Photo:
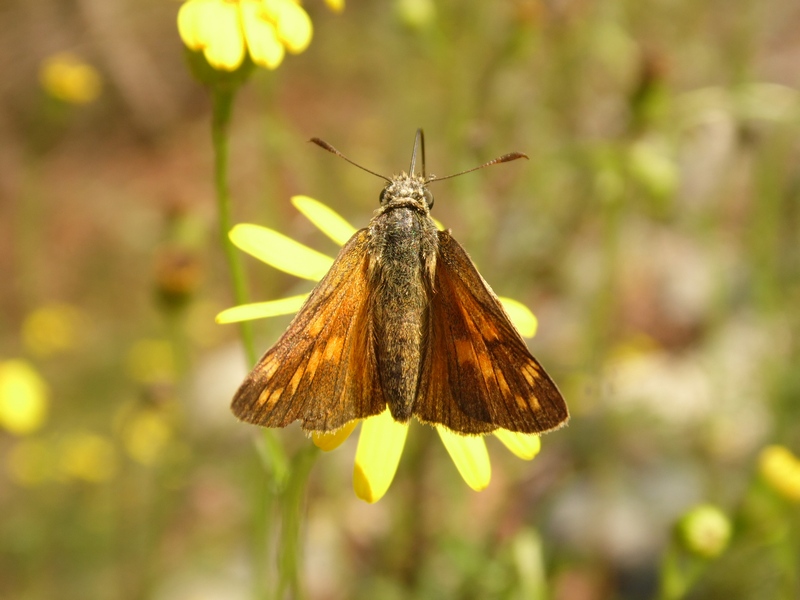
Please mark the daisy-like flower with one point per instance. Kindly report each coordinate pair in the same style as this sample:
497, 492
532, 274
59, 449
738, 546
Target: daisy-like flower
226, 29
381, 442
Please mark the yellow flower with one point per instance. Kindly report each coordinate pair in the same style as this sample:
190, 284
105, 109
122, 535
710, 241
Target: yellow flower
52, 328
23, 397
88, 456
146, 433
225, 29
68, 78
417, 14
152, 361
382, 438
780, 468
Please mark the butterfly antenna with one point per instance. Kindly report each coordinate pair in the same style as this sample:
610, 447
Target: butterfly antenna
498, 160
332, 150
419, 142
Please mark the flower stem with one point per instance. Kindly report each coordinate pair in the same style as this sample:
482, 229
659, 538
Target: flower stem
290, 557
222, 99
274, 458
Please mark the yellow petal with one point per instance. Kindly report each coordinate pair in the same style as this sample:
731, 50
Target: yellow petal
522, 318
327, 220
470, 456
379, 448
262, 39
523, 445
292, 22
261, 310
280, 252
332, 440
221, 31
335, 5
189, 24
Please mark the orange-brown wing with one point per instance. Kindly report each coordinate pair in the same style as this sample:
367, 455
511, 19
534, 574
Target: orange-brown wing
322, 370
478, 374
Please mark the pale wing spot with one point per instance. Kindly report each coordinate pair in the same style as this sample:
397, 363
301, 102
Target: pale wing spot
464, 351
532, 403
333, 352
503, 384
270, 401
262, 397
268, 368
315, 326
530, 374
489, 332
333, 348
313, 362
487, 368
295, 380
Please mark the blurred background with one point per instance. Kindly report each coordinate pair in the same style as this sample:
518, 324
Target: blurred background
654, 233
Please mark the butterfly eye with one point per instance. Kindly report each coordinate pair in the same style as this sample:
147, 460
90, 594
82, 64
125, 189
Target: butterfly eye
384, 196
428, 198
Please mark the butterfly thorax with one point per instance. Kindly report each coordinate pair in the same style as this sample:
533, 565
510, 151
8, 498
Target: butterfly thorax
403, 246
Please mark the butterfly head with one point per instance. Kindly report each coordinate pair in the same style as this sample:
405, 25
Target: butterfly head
405, 189
410, 189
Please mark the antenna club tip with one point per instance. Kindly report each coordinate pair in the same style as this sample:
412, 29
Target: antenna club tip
513, 156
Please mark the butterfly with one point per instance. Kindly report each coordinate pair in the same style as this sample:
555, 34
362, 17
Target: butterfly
403, 319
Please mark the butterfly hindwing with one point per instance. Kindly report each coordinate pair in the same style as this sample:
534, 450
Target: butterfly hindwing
478, 374
322, 371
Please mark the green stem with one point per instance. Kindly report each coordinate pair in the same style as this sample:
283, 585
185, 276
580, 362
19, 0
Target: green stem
275, 457
290, 551
222, 99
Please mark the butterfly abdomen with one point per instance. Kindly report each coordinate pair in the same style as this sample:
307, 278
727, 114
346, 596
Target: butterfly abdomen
403, 242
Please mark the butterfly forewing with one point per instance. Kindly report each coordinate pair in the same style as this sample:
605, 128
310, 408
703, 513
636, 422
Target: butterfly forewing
478, 374
322, 370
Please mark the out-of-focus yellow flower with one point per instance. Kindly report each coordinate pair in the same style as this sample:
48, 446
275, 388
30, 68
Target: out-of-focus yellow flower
23, 397
416, 14
780, 468
381, 442
705, 530
146, 435
89, 457
30, 462
68, 78
52, 329
152, 361
225, 29
335, 5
